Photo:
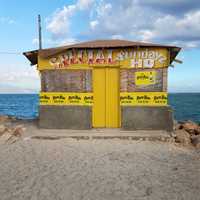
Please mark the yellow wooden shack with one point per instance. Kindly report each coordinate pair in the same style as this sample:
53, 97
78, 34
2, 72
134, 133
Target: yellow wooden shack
105, 84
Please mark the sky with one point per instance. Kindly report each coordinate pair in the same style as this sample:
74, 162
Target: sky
172, 22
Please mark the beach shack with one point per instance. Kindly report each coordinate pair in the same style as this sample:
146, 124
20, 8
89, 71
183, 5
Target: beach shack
105, 84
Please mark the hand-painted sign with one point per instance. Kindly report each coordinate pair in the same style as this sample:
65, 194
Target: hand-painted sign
145, 77
124, 58
59, 98
143, 98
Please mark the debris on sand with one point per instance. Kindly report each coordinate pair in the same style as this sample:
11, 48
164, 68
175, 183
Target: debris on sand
187, 133
16, 133
3, 129
8, 131
183, 137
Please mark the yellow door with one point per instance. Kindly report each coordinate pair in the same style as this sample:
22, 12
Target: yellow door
106, 108
99, 95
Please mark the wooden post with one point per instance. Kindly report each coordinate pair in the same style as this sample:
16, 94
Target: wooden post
40, 32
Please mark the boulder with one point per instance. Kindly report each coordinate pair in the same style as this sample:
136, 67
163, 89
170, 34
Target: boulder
197, 131
3, 129
18, 131
191, 127
3, 118
182, 137
177, 125
196, 141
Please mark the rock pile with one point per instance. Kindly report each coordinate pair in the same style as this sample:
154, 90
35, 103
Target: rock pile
187, 133
9, 131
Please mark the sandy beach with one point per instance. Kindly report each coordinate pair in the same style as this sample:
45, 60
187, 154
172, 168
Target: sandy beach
111, 169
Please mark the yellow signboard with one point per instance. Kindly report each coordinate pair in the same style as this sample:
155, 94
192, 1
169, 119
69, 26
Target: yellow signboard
86, 99
156, 57
143, 98
59, 98
145, 78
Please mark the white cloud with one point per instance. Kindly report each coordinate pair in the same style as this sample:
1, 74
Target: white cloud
19, 78
84, 4
184, 30
117, 37
143, 20
6, 20
35, 41
138, 20
59, 24
103, 8
93, 24
68, 41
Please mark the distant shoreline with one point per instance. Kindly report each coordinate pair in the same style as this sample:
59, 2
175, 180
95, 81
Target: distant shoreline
39, 92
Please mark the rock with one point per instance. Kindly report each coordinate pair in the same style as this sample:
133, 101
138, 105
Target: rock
182, 137
197, 131
3, 129
196, 141
191, 127
3, 118
15, 134
18, 130
177, 125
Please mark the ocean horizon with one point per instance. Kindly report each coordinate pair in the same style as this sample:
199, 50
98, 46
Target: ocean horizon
186, 106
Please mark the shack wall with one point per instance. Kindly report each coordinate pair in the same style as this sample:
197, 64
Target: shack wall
62, 79
145, 117
66, 116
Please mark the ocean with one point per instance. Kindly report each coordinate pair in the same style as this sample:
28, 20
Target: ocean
186, 106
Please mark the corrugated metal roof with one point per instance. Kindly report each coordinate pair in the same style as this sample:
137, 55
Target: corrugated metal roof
96, 44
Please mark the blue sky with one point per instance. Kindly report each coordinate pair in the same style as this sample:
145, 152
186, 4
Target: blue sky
174, 22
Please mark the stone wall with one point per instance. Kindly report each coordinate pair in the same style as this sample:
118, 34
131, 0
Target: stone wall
147, 118
65, 117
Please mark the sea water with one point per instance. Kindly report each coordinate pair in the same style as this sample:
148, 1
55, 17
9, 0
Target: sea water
186, 106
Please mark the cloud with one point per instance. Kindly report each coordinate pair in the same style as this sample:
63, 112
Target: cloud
93, 24
59, 23
84, 4
148, 21
175, 7
117, 37
184, 30
171, 22
68, 41
35, 41
6, 20
26, 80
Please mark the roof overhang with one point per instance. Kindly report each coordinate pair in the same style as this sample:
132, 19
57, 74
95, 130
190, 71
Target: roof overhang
32, 56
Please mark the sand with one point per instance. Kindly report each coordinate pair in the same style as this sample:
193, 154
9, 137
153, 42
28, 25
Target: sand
111, 169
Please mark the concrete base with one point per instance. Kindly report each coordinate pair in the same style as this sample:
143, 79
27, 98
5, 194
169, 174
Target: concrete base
96, 134
147, 118
65, 117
